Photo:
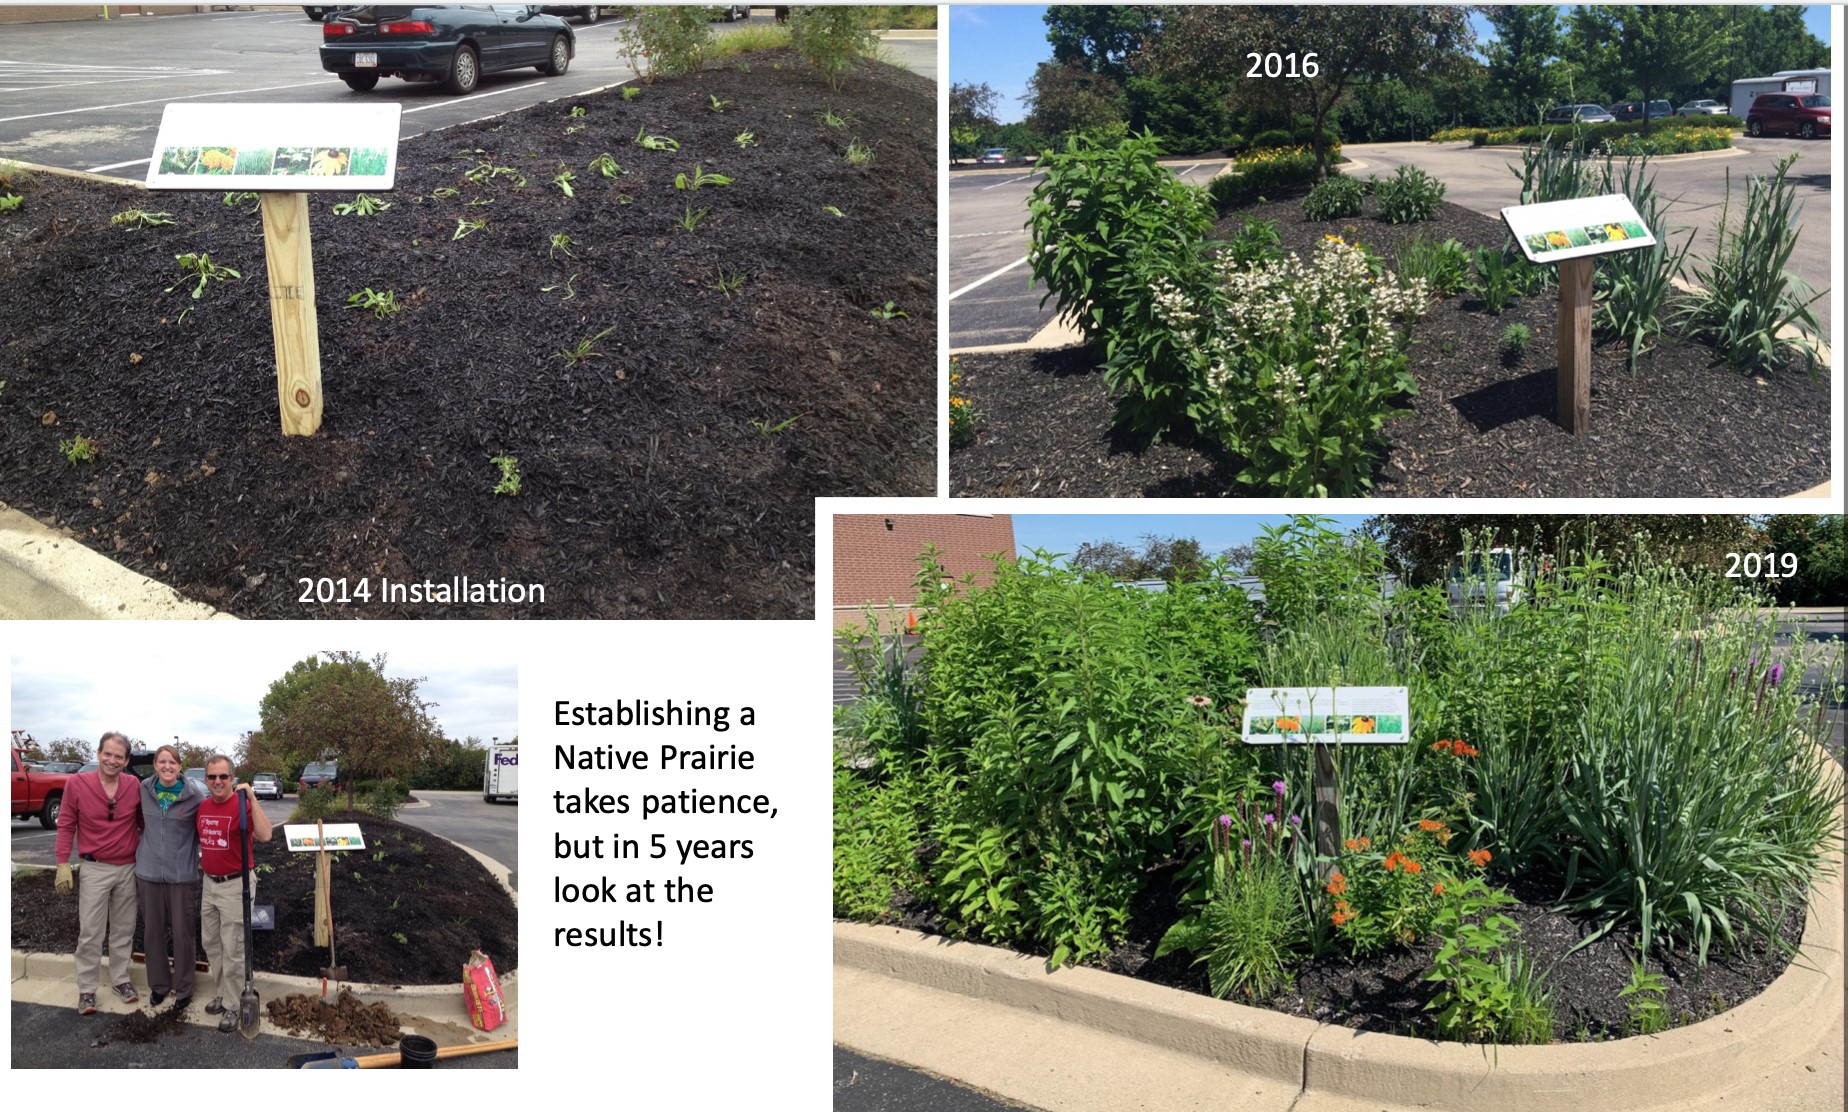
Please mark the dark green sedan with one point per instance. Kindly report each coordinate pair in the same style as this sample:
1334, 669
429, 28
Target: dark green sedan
453, 45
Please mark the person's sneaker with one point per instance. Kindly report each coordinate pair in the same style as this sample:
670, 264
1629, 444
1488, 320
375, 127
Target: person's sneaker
217, 1005
155, 998
86, 1003
127, 992
228, 1021
182, 1003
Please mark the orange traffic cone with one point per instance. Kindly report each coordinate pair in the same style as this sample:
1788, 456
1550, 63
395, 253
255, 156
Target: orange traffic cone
911, 622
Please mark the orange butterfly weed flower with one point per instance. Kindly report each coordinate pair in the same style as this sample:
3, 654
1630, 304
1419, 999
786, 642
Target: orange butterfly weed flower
1413, 866
1479, 857
1355, 845
1437, 889
1430, 825
1336, 885
1393, 861
1441, 746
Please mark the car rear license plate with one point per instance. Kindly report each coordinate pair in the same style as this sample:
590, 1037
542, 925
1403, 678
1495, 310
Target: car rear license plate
366, 60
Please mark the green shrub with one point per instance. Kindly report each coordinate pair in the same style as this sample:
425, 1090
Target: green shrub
875, 842
1249, 930
1443, 267
1497, 281
1262, 173
1747, 294
1275, 137
666, 41
1334, 199
1253, 241
386, 797
831, 38
314, 802
1409, 196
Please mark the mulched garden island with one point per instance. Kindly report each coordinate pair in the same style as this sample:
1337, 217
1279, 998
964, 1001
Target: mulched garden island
407, 909
667, 467
1684, 425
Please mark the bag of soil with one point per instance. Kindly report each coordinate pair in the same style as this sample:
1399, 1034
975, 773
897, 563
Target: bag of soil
481, 992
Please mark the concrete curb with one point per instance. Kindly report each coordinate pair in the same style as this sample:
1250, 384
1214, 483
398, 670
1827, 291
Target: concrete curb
1678, 1069
47, 574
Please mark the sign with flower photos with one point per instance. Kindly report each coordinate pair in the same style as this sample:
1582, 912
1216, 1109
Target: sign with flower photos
303, 838
1327, 715
1555, 231
289, 148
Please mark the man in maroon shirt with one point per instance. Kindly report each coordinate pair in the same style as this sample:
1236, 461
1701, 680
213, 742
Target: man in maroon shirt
102, 815
221, 903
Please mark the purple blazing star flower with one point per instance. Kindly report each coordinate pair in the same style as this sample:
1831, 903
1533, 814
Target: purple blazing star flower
1245, 842
1225, 821
1270, 819
1296, 820
1777, 673
1277, 787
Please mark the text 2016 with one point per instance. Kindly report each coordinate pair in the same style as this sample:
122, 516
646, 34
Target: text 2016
1282, 65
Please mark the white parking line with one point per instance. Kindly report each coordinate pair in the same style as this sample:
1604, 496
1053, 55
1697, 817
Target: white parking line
461, 100
158, 100
1010, 181
118, 165
988, 278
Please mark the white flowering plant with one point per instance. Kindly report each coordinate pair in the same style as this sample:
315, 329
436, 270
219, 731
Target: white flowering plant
1300, 364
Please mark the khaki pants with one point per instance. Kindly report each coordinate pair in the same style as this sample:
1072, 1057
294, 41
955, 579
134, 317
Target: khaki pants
221, 924
105, 911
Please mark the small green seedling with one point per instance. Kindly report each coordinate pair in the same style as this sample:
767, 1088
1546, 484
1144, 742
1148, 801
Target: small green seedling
579, 112
718, 105
362, 205
568, 285
832, 211
585, 349
624, 199
233, 200
655, 142
200, 270
768, 429
858, 153
605, 165
838, 123
727, 284
889, 311
690, 219
699, 178
78, 449
136, 219
562, 244
563, 180
488, 171
381, 303
468, 227
1515, 340
446, 192
10, 201
744, 139
509, 484
630, 92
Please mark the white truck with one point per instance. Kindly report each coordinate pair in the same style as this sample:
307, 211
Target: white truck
1497, 579
1746, 89
501, 778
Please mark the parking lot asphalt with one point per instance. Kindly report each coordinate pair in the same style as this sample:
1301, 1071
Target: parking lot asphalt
993, 304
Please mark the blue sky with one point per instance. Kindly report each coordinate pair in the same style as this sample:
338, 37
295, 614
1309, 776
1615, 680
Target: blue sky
1216, 532
1001, 44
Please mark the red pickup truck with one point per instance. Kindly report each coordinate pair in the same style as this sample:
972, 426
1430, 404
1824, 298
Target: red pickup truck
36, 793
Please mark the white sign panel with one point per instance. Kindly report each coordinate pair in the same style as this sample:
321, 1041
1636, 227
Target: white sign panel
1327, 715
290, 148
302, 838
1561, 230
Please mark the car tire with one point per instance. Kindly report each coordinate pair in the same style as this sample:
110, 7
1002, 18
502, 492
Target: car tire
560, 60
591, 15
48, 815
1807, 130
1755, 128
360, 82
464, 71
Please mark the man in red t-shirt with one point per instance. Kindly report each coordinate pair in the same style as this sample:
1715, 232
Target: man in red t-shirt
221, 902
101, 819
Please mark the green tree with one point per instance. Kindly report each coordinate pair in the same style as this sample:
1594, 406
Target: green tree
1170, 559
1648, 51
1822, 558
1525, 73
1071, 100
1763, 41
972, 118
1351, 43
1419, 547
347, 709
1100, 38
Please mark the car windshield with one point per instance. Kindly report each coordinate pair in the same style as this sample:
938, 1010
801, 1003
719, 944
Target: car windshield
1817, 101
318, 770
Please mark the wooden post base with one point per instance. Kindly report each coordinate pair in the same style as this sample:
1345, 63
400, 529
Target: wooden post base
290, 260
1326, 809
1573, 410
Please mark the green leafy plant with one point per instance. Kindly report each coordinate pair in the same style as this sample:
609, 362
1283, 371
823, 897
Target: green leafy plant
727, 284
1250, 927
768, 427
1334, 199
745, 139
964, 420
466, 228
1484, 994
445, 192
665, 41
78, 449
509, 484
563, 180
716, 104
830, 39
1634, 287
605, 165
200, 270
1645, 996
655, 142
488, 172
829, 119
858, 153
11, 201
1497, 281
578, 112
1750, 307
136, 219
233, 200
1514, 341
1409, 196
690, 219
889, 311
314, 802
1443, 267
380, 304
584, 349
630, 92
699, 179
361, 205
1260, 173
561, 245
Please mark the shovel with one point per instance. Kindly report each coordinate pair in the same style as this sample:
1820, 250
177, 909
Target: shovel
334, 972
334, 1060
249, 1008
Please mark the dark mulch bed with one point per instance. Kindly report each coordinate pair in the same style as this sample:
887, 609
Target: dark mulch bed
409, 917
655, 483
1387, 992
1681, 426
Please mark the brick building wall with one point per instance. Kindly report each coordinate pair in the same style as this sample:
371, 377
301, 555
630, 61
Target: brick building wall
875, 555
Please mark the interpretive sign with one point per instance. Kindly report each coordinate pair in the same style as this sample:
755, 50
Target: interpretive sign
302, 838
1570, 235
1326, 715
288, 148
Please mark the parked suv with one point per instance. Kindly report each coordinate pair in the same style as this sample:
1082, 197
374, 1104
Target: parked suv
266, 785
1801, 114
1630, 110
1580, 113
321, 772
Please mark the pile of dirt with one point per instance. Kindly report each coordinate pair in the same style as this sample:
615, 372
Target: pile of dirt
146, 1027
1481, 424
674, 400
343, 1021
407, 909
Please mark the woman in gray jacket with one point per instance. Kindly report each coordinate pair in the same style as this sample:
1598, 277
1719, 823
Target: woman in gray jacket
167, 876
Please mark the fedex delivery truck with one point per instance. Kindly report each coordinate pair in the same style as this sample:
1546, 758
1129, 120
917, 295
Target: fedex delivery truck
501, 780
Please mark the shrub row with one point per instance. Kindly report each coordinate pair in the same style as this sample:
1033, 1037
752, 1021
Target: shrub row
1594, 136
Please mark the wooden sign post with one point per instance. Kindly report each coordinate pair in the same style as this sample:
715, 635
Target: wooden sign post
282, 153
1325, 718
1571, 234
